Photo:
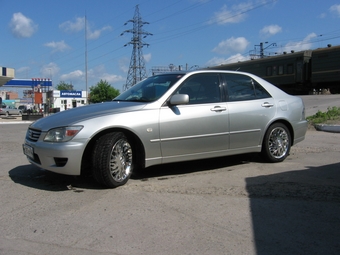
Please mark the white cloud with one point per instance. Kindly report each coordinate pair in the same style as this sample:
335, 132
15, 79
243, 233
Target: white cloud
322, 15
79, 25
147, 57
112, 78
96, 33
72, 76
77, 77
99, 73
220, 61
335, 9
124, 64
270, 30
235, 14
49, 71
231, 45
305, 44
72, 27
23, 72
57, 46
21, 26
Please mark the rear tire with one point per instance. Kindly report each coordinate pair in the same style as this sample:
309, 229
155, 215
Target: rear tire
276, 143
112, 160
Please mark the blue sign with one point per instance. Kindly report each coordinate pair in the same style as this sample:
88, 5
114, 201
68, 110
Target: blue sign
70, 93
28, 83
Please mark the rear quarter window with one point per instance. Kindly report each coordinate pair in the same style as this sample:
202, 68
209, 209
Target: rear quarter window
241, 87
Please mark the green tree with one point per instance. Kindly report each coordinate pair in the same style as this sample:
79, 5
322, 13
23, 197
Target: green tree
64, 86
102, 92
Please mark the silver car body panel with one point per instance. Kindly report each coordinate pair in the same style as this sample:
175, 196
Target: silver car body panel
172, 133
10, 111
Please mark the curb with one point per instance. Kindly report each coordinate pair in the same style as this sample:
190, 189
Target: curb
15, 122
328, 128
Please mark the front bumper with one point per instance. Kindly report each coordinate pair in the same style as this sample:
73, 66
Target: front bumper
63, 158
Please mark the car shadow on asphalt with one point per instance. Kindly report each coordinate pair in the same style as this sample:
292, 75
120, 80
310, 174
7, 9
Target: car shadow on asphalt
187, 167
34, 177
296, 212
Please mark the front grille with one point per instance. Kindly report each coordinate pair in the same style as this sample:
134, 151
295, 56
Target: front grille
33, 134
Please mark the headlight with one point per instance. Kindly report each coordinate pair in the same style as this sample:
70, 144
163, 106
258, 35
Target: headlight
62, 134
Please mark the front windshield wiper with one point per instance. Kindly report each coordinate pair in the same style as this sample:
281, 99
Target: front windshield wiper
134, 99
142, 100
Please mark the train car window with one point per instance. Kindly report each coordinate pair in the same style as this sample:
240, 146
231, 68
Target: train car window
269, 71
242, 87
274, 70
280, 69
290, 69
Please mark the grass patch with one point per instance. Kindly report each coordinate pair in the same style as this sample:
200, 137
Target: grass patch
332, 115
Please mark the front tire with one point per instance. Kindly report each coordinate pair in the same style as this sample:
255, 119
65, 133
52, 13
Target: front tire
112, 160
276, 143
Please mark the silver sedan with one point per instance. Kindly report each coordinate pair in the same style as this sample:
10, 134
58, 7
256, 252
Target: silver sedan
172, 117
9, 110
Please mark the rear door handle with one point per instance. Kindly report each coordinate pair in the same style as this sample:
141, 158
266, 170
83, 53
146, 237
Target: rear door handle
267, 105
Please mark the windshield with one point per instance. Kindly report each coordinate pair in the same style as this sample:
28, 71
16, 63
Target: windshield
150, 89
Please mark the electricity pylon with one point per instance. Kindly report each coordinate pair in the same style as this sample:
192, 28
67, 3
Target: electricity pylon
137, 71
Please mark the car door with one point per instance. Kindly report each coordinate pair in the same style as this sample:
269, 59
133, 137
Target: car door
251, 108
198, 129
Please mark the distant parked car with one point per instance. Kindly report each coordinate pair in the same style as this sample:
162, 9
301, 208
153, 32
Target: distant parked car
9, 110
166, 118
23, 108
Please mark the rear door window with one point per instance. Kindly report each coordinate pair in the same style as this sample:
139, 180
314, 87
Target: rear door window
241, 87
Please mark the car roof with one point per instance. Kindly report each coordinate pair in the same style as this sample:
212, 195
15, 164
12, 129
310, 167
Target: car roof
204, 71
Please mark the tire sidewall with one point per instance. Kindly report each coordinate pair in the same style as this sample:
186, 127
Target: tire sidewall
265, 145
101, 159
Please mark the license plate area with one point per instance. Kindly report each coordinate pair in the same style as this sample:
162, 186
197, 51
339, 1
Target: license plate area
28, 151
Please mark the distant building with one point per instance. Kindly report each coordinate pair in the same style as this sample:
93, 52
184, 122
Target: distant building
6, 74
66, 99
8, 95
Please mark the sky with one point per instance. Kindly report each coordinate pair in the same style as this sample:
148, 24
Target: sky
47, 38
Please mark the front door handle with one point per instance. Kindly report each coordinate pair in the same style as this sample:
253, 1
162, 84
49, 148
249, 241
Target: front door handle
218, 109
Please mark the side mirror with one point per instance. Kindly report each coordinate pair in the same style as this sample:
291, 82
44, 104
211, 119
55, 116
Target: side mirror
179, 99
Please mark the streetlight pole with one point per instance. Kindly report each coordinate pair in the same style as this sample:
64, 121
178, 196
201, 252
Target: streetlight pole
86, 58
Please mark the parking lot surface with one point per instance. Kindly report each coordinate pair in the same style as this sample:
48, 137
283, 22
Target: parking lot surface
229, 205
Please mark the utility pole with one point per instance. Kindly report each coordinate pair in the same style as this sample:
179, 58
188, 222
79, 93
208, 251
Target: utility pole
137, 71
262, 49
86, 102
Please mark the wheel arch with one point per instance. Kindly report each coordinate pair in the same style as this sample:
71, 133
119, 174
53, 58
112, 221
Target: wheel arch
136, 143
287, 124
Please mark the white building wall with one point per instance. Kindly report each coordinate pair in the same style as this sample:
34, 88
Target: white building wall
68, 100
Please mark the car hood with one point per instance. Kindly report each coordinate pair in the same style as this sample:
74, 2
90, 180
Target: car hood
82, 113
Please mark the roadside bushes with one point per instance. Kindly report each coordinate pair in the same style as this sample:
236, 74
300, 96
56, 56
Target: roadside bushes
332, 114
